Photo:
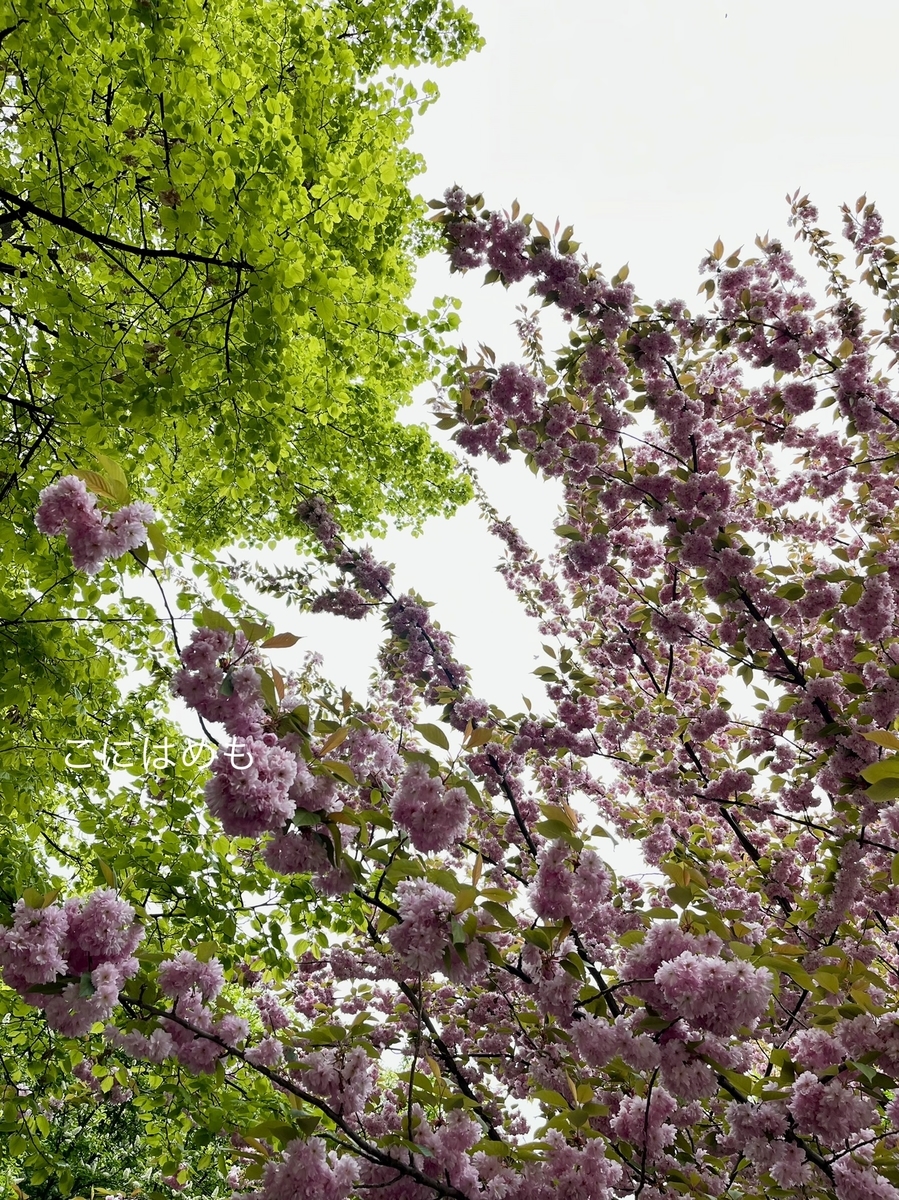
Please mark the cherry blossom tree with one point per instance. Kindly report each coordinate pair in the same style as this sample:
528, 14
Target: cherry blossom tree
484, 1008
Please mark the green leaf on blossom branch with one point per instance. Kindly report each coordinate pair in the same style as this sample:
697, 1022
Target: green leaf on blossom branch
886, 768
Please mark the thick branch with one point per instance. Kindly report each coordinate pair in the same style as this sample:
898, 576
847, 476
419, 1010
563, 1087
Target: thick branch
449, 1062
100, 239
371, 1152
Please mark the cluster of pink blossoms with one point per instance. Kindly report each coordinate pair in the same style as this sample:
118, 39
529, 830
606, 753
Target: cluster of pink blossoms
84, 948
249, 790
423, 933
757, 1132
315, 513
307, 1171
445, 1151
372, 755
273, 1015
252, 777
267, 1053
191, 984
558, 891
682, 976
599, 1041
645, 1122
219, 680
345, 1080
513, 395
304, 851
186, 973
859, 1181
432, 815
874, 614
830, 1111
92, 536
259, 781
714, 994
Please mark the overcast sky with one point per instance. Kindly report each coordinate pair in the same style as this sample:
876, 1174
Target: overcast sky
653, 128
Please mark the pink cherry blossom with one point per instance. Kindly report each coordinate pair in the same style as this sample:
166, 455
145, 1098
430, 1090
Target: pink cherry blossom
856, 1181
249, 791
219, 680
829, 1110
644, 1122
57, 944
267, 1053
68, 507
713, 994
185, 973
423, 933
433, 816
306, 1169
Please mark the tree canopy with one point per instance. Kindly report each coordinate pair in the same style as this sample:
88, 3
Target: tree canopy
207, 243
208, 239
352, 946
430, 980
207, 248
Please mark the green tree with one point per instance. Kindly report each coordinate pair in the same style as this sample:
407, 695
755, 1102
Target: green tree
207, 243
207, 246
207, 249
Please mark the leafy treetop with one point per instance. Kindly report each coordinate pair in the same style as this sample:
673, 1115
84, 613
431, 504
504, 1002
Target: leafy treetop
207, 248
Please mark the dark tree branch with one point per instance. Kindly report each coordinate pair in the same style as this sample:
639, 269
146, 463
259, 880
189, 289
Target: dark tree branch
99, 239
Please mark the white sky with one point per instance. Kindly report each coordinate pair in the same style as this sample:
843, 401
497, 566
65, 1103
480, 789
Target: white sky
653, 128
